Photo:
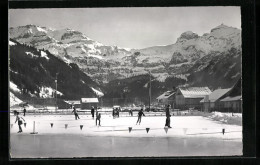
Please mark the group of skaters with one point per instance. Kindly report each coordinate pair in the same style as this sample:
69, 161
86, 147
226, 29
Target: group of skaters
98, 115
115, 113
168, 116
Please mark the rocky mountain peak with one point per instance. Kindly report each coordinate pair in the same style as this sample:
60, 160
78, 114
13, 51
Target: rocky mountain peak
187, 36
222, 26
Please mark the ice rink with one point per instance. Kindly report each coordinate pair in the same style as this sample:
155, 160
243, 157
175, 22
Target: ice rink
189, 136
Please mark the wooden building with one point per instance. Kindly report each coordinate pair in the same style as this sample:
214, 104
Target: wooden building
212, 101
86, 103
233, 101
190, 97
74, 103
166, 98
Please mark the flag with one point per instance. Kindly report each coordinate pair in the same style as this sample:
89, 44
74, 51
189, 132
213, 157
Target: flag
147, 130
130, 129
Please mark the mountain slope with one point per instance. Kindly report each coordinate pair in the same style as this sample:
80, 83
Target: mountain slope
34, 73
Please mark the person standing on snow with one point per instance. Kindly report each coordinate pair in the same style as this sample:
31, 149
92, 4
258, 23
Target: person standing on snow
168, 117
140, 114
75, 113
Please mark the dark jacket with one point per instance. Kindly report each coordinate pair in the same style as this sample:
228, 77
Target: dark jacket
168, 112
140, 113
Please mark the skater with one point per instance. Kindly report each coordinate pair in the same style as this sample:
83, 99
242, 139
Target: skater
113, 113
24, 111
92, 112
98, 118
140, 114
117, 111
75, 113
20, 122
131, 112
168, 117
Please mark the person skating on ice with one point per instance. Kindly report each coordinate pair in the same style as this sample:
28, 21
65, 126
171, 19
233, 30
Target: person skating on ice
24, 111
75, 113
140, 114
98, 118
92, 112
20, 122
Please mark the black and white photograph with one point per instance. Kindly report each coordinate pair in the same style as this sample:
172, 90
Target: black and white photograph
124, 82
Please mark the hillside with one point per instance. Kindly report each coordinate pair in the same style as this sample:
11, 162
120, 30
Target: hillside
33, 72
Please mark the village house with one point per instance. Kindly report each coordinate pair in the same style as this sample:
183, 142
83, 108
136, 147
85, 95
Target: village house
166, 98
86, 103
233, 101
212, 101
74, 103
190, 97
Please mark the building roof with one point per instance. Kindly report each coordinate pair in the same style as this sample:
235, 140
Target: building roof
72, 101
236, 98
215, 95
166, 95
89, 100
194, 92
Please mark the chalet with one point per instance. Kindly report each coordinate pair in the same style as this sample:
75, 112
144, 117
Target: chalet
86, 103
166, 98
74, 103
190, 97
212, 101
233, 101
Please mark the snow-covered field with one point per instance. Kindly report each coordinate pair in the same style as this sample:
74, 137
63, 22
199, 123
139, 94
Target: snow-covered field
190, 131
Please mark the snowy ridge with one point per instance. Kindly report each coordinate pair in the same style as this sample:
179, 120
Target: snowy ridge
96, 58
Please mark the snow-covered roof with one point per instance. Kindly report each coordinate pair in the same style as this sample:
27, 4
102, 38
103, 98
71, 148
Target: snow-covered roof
236, 98
194, 92
165, 95
73, 101
89, 100
215, 95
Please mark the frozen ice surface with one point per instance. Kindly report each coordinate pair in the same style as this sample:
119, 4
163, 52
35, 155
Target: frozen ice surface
182, 126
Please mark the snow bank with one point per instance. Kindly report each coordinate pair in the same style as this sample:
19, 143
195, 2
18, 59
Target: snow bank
227, 118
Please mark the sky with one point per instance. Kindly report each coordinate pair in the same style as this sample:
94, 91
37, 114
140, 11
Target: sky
130, 27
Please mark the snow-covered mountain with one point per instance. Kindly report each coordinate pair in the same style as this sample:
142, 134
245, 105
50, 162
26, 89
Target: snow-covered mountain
38, 73
190, 54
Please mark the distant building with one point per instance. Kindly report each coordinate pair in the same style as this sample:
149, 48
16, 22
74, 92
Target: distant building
167, 98
212, 101
86, 103
233, 101
75, 103
190, 97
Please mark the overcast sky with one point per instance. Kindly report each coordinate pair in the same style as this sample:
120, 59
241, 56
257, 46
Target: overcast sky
130, 27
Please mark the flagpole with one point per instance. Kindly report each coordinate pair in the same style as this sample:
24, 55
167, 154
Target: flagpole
150, 92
